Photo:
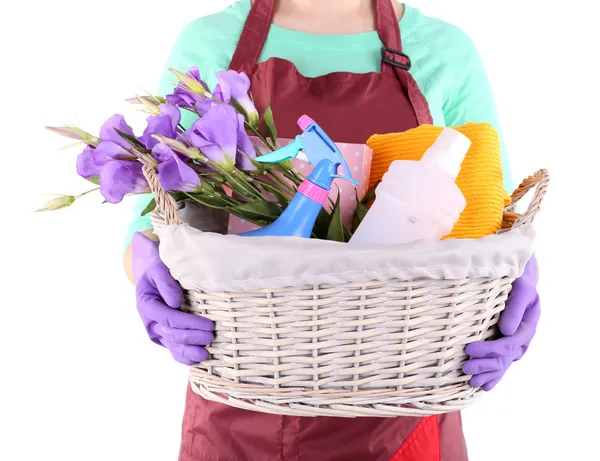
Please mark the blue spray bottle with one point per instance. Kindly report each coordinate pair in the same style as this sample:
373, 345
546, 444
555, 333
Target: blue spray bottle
314, 146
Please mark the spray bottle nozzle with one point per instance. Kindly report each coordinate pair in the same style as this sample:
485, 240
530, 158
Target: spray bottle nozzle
316, 146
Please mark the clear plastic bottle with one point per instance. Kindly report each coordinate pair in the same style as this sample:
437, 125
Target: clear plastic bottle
418, 200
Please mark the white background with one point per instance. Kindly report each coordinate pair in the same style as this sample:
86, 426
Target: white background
78, 378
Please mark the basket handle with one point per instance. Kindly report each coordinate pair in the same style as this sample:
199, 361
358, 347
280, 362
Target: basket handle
165, 212
540, 181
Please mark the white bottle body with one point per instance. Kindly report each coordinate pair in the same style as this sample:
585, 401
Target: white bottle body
418, 200
415, 201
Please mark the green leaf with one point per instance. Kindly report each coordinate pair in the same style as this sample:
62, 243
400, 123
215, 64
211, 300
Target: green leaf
239, 108
359, 215
336, 227
149, 208
370, 195
257, 211
178, 195
322, 224
132, 139
211, 201
347, 233
271, 124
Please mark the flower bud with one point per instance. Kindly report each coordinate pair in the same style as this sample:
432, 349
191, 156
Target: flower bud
62, 201
75, 133
151, 104
190, 83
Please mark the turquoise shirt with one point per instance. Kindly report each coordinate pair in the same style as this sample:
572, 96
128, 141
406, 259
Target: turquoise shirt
445, 64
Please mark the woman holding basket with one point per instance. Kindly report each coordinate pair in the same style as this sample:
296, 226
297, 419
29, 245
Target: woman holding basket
393, 69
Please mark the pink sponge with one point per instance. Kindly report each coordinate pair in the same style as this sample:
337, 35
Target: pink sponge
304, 122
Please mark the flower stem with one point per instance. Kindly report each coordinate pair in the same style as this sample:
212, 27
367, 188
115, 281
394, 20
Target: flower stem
230, 200
236, 177
259, 135
283, 184
224, 206
289, 175
87, 192
229, 210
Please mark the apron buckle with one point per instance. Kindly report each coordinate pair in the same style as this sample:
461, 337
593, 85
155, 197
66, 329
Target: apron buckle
406, 65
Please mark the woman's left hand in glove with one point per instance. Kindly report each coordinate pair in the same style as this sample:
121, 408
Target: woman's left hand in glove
518, 322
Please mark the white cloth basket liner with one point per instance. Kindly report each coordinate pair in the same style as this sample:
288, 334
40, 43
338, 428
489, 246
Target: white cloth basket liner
213, 262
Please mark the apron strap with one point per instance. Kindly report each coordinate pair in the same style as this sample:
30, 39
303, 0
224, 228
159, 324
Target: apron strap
387, 24
393, 60
257, 26
254, 35
256, 29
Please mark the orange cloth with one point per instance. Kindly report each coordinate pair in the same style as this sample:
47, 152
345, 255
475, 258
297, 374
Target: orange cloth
480, 178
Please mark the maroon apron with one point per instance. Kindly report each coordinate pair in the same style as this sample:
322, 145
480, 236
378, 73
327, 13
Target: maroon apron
350, 108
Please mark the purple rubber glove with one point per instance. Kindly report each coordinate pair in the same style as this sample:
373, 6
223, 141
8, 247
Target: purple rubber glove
518, 322
159, 297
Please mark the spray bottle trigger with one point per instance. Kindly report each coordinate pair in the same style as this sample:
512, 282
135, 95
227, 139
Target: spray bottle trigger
347, 178
347, 174
285, 153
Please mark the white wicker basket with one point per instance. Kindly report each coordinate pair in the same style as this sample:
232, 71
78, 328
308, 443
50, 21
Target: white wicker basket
381, 348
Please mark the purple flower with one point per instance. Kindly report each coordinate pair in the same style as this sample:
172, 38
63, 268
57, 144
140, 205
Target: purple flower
173, 172
234, 85
195, 74
183, 98
86, 167
203, 107
121, 177
161, 153
107, 151
164, 124
245, 148
108, 133
182, 95
216, 135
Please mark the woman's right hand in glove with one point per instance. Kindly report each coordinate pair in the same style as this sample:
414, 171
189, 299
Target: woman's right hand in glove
159, 298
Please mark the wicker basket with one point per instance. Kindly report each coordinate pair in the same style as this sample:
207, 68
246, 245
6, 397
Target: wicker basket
386, 349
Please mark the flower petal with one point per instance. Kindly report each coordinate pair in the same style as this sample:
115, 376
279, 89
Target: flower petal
183, 97
194, 72
234, 85
218, 93
203, 107
108, 133
173, 113
86, 167
246, 150
175, 174
121, 177
164, 124
161, 152
216, 134
107, 151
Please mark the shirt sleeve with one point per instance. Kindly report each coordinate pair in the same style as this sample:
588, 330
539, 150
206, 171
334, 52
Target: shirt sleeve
468, 97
